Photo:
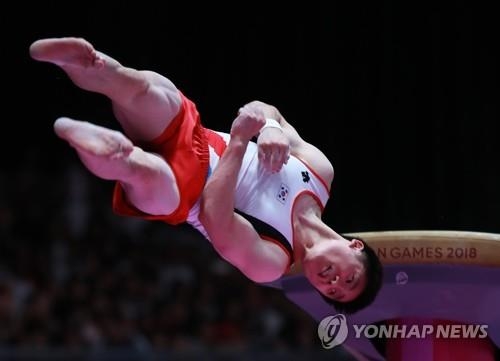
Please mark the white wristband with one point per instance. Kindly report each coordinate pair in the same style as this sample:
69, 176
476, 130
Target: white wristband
271, 123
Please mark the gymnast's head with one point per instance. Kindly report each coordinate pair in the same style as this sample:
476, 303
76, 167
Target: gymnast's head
346, 272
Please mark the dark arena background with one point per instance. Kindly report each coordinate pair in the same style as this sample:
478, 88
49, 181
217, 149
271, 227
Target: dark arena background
403, 98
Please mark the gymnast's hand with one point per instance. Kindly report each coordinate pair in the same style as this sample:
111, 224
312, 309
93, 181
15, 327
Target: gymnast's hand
247, 124
274, 148
273, 143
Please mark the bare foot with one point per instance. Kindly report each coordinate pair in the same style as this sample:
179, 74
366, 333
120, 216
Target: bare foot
93, 140
76, 52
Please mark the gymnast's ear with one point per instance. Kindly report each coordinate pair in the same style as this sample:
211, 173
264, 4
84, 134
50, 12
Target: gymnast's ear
356, 244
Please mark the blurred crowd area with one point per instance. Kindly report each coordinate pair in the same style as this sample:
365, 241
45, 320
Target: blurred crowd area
74, 275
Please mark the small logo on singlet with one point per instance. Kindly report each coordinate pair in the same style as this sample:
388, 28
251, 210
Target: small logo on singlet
305, 176
282, 193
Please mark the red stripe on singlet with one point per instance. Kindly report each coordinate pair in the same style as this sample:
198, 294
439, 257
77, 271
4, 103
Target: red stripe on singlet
216, 141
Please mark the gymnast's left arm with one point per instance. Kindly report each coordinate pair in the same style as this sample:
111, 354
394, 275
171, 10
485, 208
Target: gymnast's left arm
232, 236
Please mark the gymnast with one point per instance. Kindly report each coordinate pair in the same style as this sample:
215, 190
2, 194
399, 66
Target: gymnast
256, 193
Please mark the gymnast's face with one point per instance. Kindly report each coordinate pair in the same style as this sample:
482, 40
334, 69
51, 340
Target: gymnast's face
335, 268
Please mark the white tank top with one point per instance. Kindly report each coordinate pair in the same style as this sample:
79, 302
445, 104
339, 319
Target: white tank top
267, 199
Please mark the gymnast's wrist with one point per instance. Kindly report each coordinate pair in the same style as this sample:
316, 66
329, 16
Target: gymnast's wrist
271, 123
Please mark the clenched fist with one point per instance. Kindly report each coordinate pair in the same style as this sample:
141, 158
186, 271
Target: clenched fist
248, 123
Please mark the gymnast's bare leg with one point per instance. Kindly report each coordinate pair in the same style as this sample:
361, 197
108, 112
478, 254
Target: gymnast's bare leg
144, 103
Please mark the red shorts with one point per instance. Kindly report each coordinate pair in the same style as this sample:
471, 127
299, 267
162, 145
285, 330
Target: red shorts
184, 145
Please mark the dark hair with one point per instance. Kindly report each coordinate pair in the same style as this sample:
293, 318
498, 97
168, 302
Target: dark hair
374, 275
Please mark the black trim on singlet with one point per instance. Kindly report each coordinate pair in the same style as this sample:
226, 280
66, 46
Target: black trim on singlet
266, 230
